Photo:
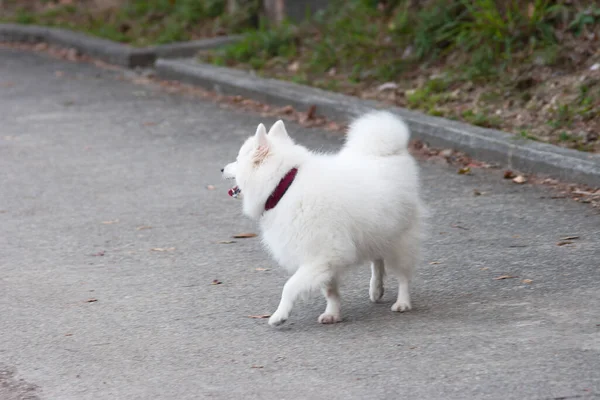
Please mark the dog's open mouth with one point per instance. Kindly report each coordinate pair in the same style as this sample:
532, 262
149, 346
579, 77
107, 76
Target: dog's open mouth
235, 192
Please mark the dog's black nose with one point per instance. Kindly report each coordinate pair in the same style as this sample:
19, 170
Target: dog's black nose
222, 169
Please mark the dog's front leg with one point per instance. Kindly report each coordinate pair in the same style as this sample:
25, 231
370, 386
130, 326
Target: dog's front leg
305, 280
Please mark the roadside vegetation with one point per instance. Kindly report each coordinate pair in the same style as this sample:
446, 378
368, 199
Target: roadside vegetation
527, 67
136, 22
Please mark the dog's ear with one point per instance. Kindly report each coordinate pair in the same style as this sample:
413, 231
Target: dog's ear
261, 136
278, 130
262, 144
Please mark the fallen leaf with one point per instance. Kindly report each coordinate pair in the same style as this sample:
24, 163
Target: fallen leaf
464, 171
508, 174
92, 300
518, 245
459, 227
244, 235
505, 277
149, 123
68, 334
477, 192
226, 241
210, 187
110, 222
262, 269
162, 249
484, 268
564, 242
434, 263
527, 281
519, 179
310, 114
570, 238
264, 316
98, 254
143, 228
584, 193
216, 282
257, 366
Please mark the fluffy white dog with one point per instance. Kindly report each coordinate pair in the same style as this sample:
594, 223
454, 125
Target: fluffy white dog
321, 214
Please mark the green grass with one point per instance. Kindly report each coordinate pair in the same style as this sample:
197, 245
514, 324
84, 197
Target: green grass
140, 22
358, 38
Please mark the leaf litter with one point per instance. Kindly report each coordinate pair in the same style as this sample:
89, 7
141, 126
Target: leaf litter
162, 249
244, 235
501, 277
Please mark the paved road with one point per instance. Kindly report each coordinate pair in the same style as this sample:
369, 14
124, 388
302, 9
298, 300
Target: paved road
89, 162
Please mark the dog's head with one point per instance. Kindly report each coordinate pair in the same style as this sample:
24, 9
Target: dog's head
260, 164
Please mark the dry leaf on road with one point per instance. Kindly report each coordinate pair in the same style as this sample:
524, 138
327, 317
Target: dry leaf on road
98, 254
459, 227
311, 113
162, 249
520, 179
527, 281
564, 242
264, 316
216, 282
244, 235
210, 187
434, 263
110, 222
262, 269
226, 241
569, 238
143, 228
508, 174
91, 300
505, 277
464, 171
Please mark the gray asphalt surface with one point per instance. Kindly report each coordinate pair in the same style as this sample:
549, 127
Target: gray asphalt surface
91, 164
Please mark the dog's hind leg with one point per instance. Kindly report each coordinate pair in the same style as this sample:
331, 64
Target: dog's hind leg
305, 280
401, 264
376, 284
332, 312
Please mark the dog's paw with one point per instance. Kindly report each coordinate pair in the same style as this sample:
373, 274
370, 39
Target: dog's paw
329, 318
401, 306
375, 293
277, 319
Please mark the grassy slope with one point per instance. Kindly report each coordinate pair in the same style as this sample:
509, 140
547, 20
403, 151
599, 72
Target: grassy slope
137, 22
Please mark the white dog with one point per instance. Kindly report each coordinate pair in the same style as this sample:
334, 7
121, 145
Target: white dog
323, 213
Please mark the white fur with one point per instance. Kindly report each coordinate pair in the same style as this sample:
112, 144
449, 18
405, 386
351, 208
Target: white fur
357, 206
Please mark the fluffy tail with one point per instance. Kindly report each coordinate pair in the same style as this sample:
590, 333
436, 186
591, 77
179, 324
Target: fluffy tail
378, 133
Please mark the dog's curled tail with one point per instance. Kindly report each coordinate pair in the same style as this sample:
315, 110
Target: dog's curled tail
378, 133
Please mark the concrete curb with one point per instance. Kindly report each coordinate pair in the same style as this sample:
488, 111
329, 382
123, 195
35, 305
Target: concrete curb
107, 50
483, 144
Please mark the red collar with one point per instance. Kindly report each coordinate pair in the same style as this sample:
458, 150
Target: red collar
280, 190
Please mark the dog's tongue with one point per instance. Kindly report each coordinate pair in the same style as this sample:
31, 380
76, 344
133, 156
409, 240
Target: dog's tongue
234, 192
